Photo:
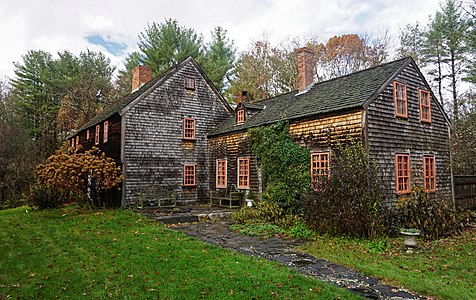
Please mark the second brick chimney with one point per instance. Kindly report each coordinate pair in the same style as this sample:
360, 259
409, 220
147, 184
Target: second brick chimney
305, 68
140, 76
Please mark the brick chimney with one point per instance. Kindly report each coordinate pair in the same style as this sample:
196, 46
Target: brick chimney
305, 68
140, 76
242, 97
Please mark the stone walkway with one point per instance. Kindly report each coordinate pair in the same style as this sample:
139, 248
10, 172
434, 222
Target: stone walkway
281, 250
277, 249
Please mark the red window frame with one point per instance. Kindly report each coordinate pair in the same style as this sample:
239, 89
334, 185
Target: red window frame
429, 174
96, 136
425, 105
72, 142
105, 131
87, 135
189, 174
320, 168
240, 116
221, 173
400, 98
189, 128
190, 83
402, 173
77, 141
243, 173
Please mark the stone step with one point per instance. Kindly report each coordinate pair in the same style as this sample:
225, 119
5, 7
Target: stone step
192, 218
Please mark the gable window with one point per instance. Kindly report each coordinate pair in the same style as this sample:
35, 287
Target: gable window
429, 177
96, 137
190, 83
244, 173
105, 129
320, 168
189, 175
188, 129
240, 116
221, 173
402, 171
425, 107
77, 141
400, 97
87, 135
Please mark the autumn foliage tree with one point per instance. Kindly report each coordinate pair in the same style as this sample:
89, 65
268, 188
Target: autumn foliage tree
80, 176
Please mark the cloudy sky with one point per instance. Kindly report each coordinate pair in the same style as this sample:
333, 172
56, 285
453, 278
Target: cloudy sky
112, 26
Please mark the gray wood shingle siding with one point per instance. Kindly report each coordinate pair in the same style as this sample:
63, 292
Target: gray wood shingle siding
388, 135
154, 148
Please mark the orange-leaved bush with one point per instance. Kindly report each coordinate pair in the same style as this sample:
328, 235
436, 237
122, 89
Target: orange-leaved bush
81, 176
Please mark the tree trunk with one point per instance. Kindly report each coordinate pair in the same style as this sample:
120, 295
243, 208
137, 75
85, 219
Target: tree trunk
453, 87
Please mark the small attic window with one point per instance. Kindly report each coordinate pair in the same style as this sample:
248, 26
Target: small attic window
190, 83
240, 116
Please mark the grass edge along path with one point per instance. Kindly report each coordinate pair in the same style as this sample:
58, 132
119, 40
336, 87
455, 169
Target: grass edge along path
444, 268
70, 253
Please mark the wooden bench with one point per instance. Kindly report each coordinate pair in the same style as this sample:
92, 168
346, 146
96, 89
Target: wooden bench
157, 199
228, 197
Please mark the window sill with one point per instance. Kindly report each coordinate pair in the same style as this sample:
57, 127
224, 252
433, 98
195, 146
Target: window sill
403, 193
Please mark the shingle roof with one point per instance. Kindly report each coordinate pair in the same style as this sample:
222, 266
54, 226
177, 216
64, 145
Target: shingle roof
118, 106
342, 93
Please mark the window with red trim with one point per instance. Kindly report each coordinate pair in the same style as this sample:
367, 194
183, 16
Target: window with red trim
402, 172
87, 135
320, 168
243, 172
240, 116
77, 141
189, 83
400, 97
429, 174
425, 106
189, 129
221, 173
72, 142
96, 137
105, 129
189, 175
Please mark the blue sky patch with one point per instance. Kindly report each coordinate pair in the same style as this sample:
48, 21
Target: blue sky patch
111, 47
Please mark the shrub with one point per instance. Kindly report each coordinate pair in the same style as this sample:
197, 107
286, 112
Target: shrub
43, 197
88, 178
265, 213
349, 202
436, 218
284, 165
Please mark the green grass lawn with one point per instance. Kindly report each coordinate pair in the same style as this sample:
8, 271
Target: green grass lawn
444, 269
69, 253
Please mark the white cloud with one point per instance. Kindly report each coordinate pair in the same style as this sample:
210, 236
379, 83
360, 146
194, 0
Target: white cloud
64, 25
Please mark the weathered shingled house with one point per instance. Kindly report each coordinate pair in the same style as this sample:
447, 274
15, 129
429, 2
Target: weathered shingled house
389, 107
177, 132
158, 133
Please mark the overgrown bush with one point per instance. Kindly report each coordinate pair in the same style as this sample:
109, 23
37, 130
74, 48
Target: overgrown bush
436, 218
265, 213
349, 202
43, 197
284, 165
87, 178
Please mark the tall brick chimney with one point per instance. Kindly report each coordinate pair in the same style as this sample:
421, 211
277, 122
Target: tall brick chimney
242, 97
305, 68
140, 76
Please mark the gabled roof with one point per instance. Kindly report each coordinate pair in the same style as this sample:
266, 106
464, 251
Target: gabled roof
343, 93
121, 106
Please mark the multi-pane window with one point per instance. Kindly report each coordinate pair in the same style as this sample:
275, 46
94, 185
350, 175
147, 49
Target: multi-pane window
72, 143
400, 97
425, 107
106, 129
402, 171
77, 141
189, 175
189, 129
319, 168
190, 83
243, 172
221, 173
429, 175
96, 136
240, 116
87, 135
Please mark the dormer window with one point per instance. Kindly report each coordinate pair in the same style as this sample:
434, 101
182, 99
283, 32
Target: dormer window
240, 116
190, 83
